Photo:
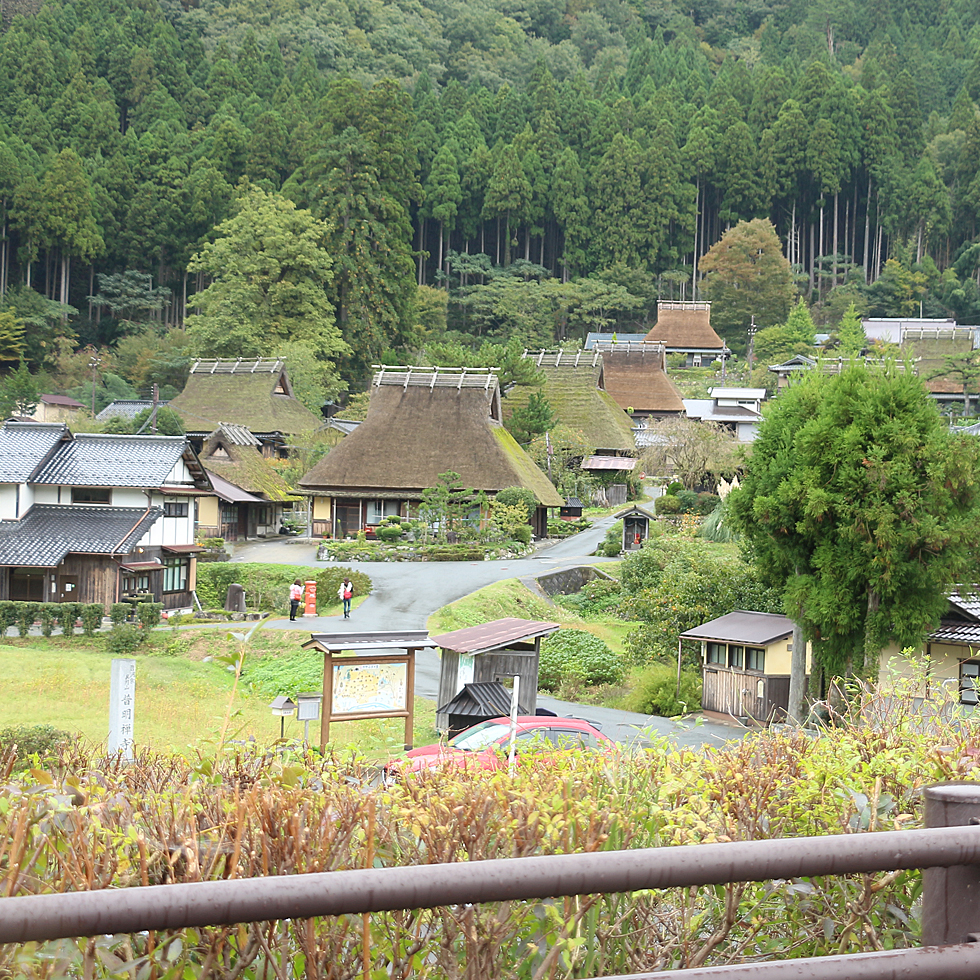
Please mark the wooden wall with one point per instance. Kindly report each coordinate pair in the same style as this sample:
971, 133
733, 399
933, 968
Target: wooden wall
762, 697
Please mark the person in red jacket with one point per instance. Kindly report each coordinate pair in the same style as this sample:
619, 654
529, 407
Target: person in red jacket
295, 598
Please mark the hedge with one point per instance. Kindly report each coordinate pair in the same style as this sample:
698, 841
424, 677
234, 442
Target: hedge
267, 586
24, 615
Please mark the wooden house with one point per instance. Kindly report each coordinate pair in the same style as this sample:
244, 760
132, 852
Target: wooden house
635, 375
57, 408
421, 422
746, 660
685, 328
496, 651
94, 517
254, 393
250, 498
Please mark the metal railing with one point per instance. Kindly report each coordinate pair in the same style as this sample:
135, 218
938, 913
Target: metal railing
949, 850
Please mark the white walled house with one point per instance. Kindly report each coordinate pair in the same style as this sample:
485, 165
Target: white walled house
96, 517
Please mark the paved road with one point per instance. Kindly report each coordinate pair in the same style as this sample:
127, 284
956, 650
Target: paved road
405, 594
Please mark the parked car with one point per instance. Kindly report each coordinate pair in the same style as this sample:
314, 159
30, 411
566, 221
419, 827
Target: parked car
487, 744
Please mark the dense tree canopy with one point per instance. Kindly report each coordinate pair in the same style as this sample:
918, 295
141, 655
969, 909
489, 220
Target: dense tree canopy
860, 499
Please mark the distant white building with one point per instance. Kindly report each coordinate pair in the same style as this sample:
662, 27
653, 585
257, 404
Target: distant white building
738, 409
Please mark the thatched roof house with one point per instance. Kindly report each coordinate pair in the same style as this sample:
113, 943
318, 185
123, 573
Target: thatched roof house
255, 394
685, 328
575, 389
421, 422
635, 375
250, 498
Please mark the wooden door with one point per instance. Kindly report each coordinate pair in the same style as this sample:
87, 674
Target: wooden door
67, 588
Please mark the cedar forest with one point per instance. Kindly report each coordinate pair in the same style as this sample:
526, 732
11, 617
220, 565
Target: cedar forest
353, 180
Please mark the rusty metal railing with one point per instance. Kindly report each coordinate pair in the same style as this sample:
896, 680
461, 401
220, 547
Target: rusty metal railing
949, 850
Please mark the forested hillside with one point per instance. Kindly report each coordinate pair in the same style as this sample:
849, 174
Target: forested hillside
556, 165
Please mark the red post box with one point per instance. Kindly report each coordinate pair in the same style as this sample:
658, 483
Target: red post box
310, 609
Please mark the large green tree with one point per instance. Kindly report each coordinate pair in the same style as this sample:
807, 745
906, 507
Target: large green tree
859, 501
269, 272
747, 275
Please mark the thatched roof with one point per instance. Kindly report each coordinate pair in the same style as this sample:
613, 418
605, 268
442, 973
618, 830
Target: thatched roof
255, 394
232, 452
635, 375
414, 431
685, 326
574, 389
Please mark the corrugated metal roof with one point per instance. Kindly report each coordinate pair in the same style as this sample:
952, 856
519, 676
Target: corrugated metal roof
741, 626
380, 640
493, 636
609, 463
483, 699
237, 435
127, 408
231, 494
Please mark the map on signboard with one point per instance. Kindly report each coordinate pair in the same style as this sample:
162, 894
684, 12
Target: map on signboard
368, 687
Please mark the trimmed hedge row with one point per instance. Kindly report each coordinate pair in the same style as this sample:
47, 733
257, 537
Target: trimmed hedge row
24, 615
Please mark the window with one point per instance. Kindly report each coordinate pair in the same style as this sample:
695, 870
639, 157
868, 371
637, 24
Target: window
175, 571
755, 659
90, 495
174, 509
736, 656
135, 582
969, 681
716, 653
378, 510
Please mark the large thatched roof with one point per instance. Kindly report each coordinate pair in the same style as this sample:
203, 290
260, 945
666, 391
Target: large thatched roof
685, 326
574, 388
255, 393
419, 426
636, 377
232, 452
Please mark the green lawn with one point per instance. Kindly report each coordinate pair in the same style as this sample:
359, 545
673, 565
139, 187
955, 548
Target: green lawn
182, 699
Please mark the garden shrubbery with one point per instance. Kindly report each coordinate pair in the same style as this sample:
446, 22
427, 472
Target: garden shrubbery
267, 586
578, 656
654, 692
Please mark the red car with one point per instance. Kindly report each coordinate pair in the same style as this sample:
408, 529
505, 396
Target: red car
486, 745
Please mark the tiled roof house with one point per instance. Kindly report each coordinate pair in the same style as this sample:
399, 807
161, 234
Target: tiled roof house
93, 517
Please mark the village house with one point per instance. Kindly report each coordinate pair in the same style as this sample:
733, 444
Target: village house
254, 393
635, 375
737, 409
745, 659
56, 408
250, 498
96, 518
421, 422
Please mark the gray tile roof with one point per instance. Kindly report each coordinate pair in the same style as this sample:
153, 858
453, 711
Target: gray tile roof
24, 446
126, 407
48, 532
237, 435
100, 460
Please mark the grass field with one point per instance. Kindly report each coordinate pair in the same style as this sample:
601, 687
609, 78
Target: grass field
184, 698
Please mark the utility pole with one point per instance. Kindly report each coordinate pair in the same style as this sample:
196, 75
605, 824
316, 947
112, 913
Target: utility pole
156, 404
94, 362
752, 330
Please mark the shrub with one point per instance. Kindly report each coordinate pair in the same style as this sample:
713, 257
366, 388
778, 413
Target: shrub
594, 597
121, 640
33, 739
668, 505
576, 654
67, 614
48, 614
672, 488
8, 616
706, 503
518, 495
148, 613
521, 534
26, 614
612, 543
389, 533
91, 617
119, 613
688, 499
655, 692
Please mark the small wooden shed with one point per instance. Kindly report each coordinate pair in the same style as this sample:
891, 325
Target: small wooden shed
636, 527
572, 510
476, 703
494, 651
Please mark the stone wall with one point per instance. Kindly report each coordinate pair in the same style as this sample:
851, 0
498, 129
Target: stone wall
569, 580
